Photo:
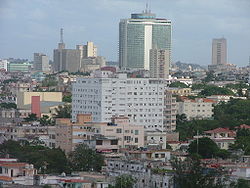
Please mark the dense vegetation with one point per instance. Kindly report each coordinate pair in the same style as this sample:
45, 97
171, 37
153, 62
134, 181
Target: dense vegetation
54, 160
8, 105
178, 84
231, 114
46, 160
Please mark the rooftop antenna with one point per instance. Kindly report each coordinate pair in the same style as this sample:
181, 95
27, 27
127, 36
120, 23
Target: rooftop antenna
61, 35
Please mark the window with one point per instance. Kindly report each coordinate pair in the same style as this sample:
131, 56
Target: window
136, 140
114, 142
99, 142
118, 130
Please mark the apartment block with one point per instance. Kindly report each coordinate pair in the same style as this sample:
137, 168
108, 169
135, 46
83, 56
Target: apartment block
106, 94
200, 108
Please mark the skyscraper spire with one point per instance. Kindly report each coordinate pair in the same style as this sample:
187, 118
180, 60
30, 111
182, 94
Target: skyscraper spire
61, 35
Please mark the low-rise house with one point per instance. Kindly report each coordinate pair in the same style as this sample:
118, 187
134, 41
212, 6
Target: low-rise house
154, 155
223, 137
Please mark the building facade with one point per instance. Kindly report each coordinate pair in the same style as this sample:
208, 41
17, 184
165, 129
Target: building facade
107, 95
159, 63
41, 62
139, 34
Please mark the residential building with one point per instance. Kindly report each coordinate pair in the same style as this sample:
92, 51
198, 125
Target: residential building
4, 64
159, 63
139, 34
106, 94
219, 51
129, 136
41, 62
199, 108
179, 91
170, 111
223, 137
88, 50
13, 172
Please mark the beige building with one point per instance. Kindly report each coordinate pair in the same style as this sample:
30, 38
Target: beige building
128, 135
170, 111
200, 108
24, 98
219, 51
179, 91
160, 60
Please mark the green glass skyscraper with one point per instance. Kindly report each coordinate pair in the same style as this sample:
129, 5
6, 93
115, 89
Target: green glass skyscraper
139, 34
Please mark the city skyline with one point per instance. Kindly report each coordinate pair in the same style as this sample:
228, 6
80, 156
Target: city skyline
38, 23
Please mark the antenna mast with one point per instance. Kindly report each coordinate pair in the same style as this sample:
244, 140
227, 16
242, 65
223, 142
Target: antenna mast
61, 35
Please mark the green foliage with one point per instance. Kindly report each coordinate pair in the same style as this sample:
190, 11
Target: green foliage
241, 183
240, 85
215, 90
46, 160
178, 84
191, 173
49, 81
124, 181
8, 105
81, 73
198, 86
242, 141
46, 121
231, 114
63, 111
31, 117
86, 159
67, 98
210, 77
206, 148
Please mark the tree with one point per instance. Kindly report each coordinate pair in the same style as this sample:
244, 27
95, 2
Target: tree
86, 159
63, 111
31, 117
215, 90
181, 118
67, 98
191, 173
241, 183
46, 121
124, 181
178, 84
206, 147
8, 105
46, 160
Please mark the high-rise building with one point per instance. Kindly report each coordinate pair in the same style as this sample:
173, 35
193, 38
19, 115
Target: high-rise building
106, 95
159, 63
66, 59
88, 50
139, 34
4, 64
219, 51
41, 62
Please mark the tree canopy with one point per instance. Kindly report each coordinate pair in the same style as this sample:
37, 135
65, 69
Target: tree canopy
178, 84
85, 159
8, 105
124, 181
63, 111
46, 160
215, 90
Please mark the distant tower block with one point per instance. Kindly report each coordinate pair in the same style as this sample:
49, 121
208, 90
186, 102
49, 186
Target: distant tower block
35, 106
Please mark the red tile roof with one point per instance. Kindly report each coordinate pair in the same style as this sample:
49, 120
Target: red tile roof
220, 130
5, 178
14, 164
243, 126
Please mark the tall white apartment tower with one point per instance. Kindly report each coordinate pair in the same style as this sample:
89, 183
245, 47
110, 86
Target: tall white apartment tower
138, 34
107, 95
219, 51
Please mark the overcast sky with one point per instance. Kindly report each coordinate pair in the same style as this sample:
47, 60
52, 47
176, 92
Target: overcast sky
28, 26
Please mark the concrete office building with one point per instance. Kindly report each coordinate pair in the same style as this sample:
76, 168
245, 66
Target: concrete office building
107, 94
159, 63
139, 34
41, 62
66, 59
219, 51
88, 50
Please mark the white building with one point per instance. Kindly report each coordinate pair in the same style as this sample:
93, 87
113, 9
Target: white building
4, 64
107, 95
200, 108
